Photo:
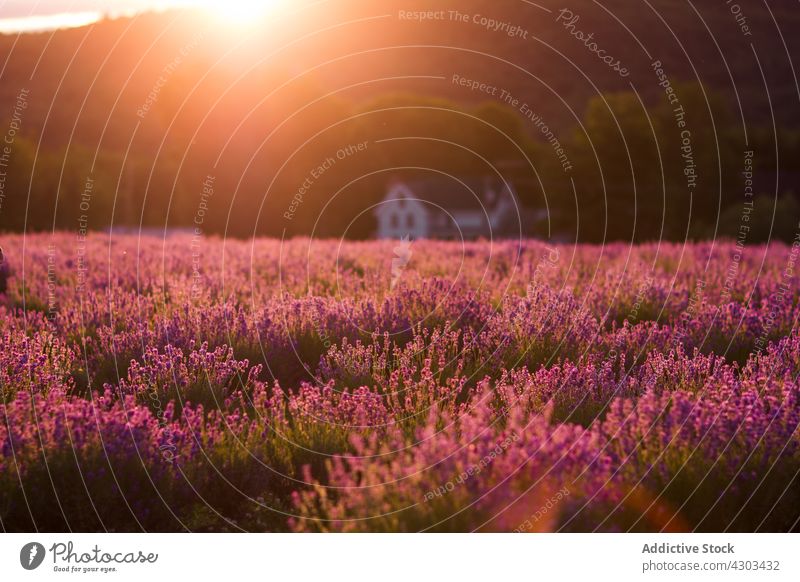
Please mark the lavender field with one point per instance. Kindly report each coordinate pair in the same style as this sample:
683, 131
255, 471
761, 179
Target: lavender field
222, 385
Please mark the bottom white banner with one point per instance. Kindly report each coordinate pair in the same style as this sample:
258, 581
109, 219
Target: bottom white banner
333, 557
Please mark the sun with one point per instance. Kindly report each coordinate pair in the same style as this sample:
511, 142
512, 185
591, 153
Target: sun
241, 13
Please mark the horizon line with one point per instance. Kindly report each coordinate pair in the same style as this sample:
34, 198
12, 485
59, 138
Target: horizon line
37, 23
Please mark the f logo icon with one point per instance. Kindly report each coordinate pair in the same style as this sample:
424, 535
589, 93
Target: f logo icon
31, 555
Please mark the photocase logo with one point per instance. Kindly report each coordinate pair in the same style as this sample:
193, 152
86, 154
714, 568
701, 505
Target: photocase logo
31, 555
402, 256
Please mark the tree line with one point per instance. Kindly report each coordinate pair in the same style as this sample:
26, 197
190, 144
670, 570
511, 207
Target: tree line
635, 171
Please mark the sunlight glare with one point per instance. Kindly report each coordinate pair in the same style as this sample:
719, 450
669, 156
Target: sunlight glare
241, 12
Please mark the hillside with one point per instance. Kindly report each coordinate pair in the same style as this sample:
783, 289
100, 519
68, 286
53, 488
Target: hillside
179, 96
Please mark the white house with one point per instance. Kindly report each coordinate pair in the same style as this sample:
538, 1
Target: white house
449, 208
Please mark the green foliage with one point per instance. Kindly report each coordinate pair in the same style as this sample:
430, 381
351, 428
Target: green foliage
769, 220
628, 161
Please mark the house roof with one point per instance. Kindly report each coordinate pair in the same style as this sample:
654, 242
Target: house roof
454, 195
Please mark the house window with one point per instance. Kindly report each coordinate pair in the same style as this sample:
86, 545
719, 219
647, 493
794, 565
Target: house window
394, 221
410, 221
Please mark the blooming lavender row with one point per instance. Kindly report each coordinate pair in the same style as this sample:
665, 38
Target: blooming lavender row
305, 386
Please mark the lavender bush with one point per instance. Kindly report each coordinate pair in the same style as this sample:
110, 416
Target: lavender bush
306, 386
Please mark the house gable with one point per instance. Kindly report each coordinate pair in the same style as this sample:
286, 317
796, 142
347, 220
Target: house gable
447, 208
402, 214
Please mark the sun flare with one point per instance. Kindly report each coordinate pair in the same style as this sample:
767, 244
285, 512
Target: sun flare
241, 12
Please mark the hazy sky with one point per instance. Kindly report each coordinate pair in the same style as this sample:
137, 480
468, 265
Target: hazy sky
19, 8
43, 14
